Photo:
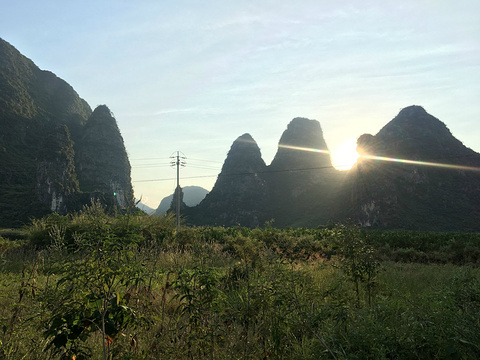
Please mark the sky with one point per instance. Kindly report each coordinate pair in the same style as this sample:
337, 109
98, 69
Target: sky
192, 76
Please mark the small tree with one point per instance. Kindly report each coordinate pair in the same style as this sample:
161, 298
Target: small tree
200, 300
357, 259
94, 292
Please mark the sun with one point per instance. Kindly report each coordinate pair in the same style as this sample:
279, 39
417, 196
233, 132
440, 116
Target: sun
345, 155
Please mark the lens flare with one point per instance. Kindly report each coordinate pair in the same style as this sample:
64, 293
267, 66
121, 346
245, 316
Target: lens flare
291, 147
380, 158
422, 163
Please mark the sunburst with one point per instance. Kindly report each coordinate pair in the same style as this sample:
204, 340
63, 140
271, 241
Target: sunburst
345, 155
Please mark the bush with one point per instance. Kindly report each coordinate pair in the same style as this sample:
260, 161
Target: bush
93, 222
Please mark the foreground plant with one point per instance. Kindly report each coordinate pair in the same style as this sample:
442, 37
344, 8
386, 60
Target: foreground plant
357, 259
97, 293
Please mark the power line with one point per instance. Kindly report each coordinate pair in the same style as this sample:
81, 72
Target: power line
268, 171
211, 161
241, 174
170, 179
152, 158
150, 166
198, 163
205, 167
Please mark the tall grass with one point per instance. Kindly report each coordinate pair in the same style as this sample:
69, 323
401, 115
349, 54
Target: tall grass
238, 293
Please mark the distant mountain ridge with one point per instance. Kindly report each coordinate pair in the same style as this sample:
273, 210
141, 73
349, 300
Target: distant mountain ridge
436, 188
55, 153
192, 195
145, 208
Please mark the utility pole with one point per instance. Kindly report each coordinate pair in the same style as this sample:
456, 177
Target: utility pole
178, 161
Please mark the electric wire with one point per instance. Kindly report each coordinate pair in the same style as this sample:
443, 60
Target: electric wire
199, 166
268, 171
212, 161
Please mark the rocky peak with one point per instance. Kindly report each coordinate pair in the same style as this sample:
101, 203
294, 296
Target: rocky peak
244, 156
102, 160
102, 117
302, 145
174, 203
412, 194
240, 190
414, 134
413, 122
241, 168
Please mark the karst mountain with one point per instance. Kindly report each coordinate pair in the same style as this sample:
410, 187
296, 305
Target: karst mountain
56, 155
413, 174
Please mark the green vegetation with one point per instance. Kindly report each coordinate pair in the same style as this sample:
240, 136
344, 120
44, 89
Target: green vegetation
93, 286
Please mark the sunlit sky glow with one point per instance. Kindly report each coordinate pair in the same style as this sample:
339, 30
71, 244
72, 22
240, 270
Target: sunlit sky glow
194, 75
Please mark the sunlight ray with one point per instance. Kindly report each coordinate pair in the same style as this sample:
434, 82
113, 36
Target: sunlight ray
422, 163
291, 147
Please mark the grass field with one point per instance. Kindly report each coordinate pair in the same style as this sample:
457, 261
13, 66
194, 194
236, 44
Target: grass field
94, 286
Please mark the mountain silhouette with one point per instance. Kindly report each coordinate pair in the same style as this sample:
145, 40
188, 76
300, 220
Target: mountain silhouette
425, 177
250, 193
413, 174
55, 153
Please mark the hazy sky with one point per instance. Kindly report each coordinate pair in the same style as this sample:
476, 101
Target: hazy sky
194, 75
